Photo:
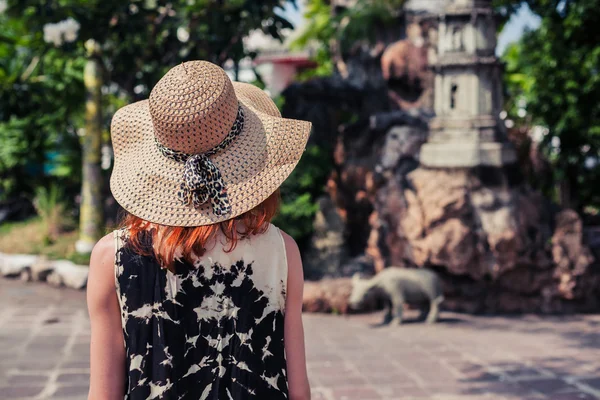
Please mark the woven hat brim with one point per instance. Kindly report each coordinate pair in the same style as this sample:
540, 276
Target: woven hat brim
145, 183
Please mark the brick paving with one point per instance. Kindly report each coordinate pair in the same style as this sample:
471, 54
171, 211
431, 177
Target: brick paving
44, 339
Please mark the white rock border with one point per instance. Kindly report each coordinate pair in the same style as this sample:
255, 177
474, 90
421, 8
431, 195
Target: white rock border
59, 273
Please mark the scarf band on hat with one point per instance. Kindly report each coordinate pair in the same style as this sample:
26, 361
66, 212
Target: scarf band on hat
202, 179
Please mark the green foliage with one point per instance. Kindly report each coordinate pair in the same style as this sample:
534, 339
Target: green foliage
41, 84
321, 28
40, 99
296, 215
51, 209
141, 40
336, 31
300, 192
555, 70
28, 237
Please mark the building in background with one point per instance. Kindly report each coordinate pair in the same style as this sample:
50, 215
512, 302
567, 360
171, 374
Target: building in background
276, 64
467, 131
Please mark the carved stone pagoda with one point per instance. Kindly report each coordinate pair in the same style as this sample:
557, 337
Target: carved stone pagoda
467, 131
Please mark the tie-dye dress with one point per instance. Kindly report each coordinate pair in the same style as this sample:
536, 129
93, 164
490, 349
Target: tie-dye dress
210, 331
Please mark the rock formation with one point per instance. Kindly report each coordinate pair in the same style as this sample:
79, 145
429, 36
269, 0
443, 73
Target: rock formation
497, 249
498, 245
60, 273
404, 67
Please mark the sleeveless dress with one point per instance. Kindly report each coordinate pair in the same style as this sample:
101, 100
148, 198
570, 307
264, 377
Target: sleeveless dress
212, 330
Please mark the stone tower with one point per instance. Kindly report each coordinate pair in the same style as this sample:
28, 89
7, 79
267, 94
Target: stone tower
466, 131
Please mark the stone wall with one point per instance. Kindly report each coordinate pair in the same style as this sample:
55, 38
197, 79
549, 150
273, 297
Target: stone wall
499, 246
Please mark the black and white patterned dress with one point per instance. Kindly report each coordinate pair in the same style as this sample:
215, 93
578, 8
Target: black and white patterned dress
210, 331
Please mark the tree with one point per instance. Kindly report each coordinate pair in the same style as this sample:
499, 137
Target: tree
91, 216
338, 29
41, 92
555, 70
139, 40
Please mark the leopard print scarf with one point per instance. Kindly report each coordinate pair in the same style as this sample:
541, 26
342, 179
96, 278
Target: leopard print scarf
202, 179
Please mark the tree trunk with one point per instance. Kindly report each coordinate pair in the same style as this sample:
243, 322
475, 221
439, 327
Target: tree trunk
569, 188
91, 209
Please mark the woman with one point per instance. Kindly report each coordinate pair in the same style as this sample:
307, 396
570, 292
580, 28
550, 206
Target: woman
187, 300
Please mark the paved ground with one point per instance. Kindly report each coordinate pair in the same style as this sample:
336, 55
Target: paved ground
44, 354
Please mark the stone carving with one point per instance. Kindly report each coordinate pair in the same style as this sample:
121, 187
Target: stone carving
399, 286
400, 142
455, 39
404, 63
405, 57
424, 6
432, 39
466, 132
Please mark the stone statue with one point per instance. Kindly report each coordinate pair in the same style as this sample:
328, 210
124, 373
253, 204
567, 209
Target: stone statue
397, 286
404, 65
401, 142
406, 57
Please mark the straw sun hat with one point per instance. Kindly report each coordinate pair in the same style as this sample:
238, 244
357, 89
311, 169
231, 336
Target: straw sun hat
201, 149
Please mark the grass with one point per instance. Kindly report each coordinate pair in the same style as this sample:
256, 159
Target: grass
29, 237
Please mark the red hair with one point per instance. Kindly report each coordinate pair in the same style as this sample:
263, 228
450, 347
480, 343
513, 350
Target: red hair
167, 240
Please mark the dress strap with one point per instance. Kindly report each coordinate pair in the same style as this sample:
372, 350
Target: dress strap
118, 238
284, 253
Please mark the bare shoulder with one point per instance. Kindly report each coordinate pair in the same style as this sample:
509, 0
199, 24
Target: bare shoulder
103, 250
101, 294
293, 254
102, 262
290, 244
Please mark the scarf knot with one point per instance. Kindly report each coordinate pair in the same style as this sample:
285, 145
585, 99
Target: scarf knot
202, 180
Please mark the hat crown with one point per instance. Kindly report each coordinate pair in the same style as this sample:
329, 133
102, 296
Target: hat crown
193, 107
